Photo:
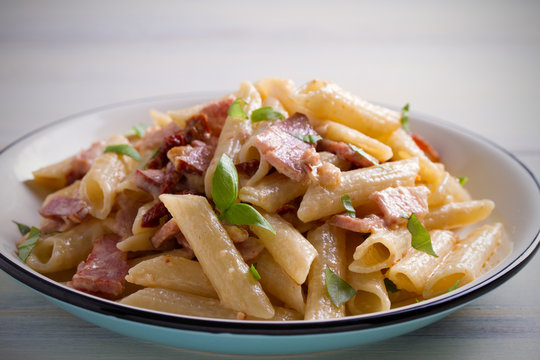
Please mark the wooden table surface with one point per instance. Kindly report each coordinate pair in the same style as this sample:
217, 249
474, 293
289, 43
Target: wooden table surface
474, 64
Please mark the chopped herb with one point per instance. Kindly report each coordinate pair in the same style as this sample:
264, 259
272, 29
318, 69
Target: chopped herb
137, 130
124, 149
453, 287
390, 286
225, 193
310, 139
338, 289
236, 109
417, 301
421, 240
254, 272
23, 229
463, 180
405, 118
266, 113
28, 245
368, 157
347, 204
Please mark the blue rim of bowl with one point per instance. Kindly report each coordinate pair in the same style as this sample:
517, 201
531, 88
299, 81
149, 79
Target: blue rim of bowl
351, 323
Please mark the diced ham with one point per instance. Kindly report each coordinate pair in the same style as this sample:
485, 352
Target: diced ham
369, 224
193, 158
166, 235
395, 202
426, 147
343, 151
153, 139
104, 270
149, 180
217, 114
289, 155
249, 167
68, 209
82, 162
249, 249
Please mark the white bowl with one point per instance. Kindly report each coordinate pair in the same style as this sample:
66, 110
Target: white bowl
493, 172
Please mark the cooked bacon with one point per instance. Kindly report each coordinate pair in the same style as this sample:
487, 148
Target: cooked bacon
290, 156
396, 202
249, 249
68, 209
369, 224
343, 151
128, 206
152, 216
217, 114
249, 167
104, 270
166, 235
82, 162
193, 158
426, 147
149, 180
153, 139
170, 179
51, 225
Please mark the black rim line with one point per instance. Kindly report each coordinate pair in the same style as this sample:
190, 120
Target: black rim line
267, 328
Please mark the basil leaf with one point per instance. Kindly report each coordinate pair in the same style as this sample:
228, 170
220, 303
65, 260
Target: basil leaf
254, 271
123, 149
236, 109
390, 286
421, 240
370, 158
453, 287
347, 204
405, 118
463, 180
137, 130
244, 214
310, 139
266, 113
338, 289
28, 245
225, 183
23, 229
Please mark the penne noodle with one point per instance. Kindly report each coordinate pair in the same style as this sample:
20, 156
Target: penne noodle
459, 214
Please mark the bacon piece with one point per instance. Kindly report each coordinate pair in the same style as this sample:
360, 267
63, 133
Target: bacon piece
426, 147
249, 167
153, 139
68, 209
249, 249
128, 206
290, 156
149, 180
193, 158
343, 151
369, 224
396, 202
152, 216
104, 270
166, 235
217, 114
170, 180
83, 161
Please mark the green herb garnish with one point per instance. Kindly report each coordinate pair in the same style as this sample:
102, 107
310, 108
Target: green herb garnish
390, 286
368, 157
23, 229
347, 204
421, 240
124, 149
463, 180
28, 245
137, 130
225, 193
266, 113
405, 118
338, 289
254, 272
453, 287
310, 139
236, 109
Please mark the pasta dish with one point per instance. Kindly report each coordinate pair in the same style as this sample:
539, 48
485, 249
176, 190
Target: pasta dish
275, 202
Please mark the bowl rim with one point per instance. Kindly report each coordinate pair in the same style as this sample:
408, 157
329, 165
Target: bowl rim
274, 328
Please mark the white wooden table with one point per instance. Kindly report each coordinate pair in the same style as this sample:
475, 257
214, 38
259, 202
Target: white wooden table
472, 64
